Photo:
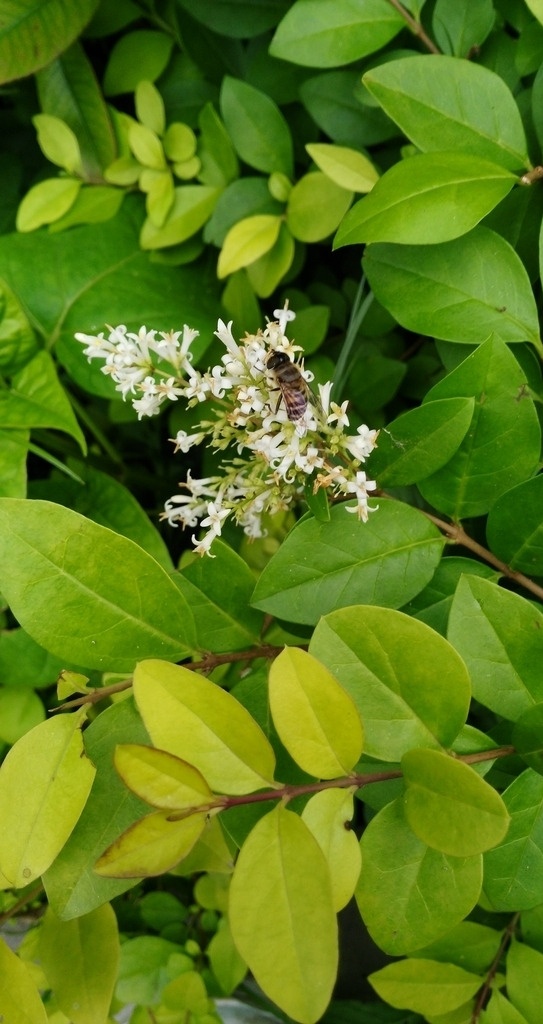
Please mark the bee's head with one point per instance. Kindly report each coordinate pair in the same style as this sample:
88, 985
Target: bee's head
276, 359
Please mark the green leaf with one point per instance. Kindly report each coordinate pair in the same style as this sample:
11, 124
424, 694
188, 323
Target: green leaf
246, 242
420, 441
20, 1001
433, 604
68, 89
513, 870
429, 198
462, 28
408, 894
37, 399
219, 592
136, 57
344, 110
227, 965
500, 637
425, 986
80, 959
436, 101
468, 944
234, 19
192, 207
146, 146
403, 699
20, 710
386, 562
75, 567
281, 910
94, 204
32, 35
17, 337
316, 205
58, 142
328, 33
201, 723
315, 718
256, 126
46, 202
525, 979
219, 161
13, 454
144, 968
150, 111
151, 846
346, 167
500, 1011
460, 291
527, 737
514, 529
489, 460
72, 885
44, 783
159, 778
449, 806
268, 271
328, 815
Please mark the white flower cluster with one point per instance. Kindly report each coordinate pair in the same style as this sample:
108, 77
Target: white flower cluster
271, 452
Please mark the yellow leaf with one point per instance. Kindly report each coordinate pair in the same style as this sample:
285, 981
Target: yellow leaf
247, 241
315, 717
161, 779
195, 719
346, 167
151, 846
328, 814
44, 784
20, 1002
80, 959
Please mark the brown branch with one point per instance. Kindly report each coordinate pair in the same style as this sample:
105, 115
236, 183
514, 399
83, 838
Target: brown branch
485, 989
534, 175
459, 536
415, 27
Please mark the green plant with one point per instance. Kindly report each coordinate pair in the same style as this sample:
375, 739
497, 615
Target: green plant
327, 706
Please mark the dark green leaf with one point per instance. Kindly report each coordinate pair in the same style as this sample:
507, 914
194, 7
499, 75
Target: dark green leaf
256, 127
420, 441
32, 35
514, 528
328, 33
513, 871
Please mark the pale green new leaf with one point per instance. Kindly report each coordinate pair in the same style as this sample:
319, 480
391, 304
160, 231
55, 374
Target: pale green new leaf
247, 241
410, 686
329, 33
146, 146
46, 202
97, 599
44, 783
150, 107
347, 167
192, 207
151, 846
316, 206
425, 986
447, 103
316, 719
161, 779
195, 719
408, 894
449, 806
461, 291
281, 912
80, 959
58, 142
328, 815
20, 1001
430, 198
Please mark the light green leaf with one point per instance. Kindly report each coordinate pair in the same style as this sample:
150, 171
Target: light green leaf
386, 561
44, 783
449, 806
246, 242
179, 142
405, 698
151, 846
460, 291
256, 126
161, 779
146, 146
513, 869
160, 195
20, 1001
14, 446
328, 815
315, 718
203, 724
429, 198
525, 980
94, 205
227, 965
46, 202
329, 33
489, 460
136, 57
514, 528
346, 167
32, 35
20, 710
80, 959
150, 108
266, 273
192, 207
408, 894
462, 29
37, 399
500, 1011
281, 910
210, 853
500, 637
420, 441
424, 986
18, 339
315, 207
468, 944
76, 567
58, 142
144, 968
436, 101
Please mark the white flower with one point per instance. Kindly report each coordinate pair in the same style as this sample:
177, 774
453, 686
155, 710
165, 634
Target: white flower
339, 413
363, 444
184, 442
215, 516
283, 317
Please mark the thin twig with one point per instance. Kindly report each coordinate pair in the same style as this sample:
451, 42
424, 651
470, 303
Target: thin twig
415, 27
485, 989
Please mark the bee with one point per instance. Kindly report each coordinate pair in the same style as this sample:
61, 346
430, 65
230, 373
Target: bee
294, 390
